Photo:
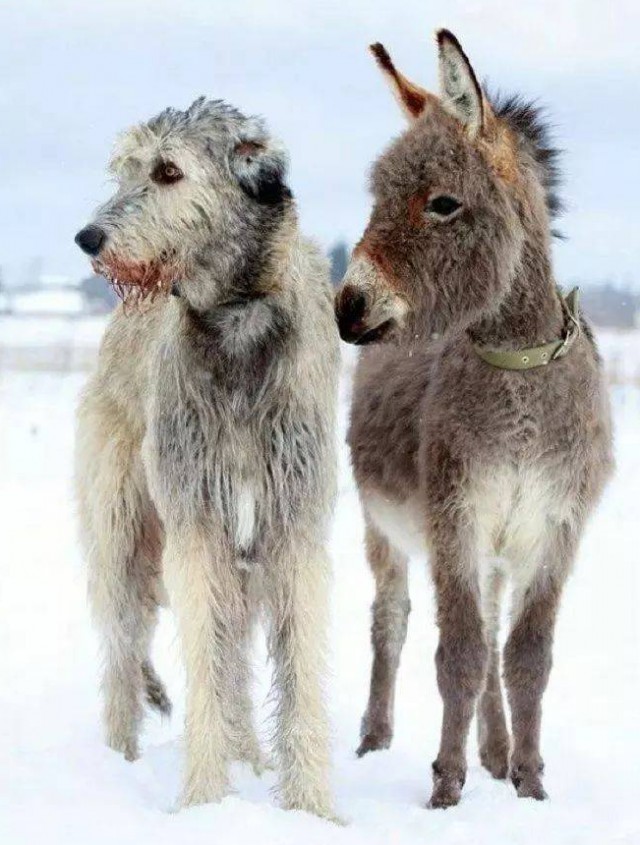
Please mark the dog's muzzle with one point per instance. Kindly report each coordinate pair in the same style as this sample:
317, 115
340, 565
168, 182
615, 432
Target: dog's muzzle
365, 310
91, 240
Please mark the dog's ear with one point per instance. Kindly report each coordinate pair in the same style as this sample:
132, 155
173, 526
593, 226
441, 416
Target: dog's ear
260, 166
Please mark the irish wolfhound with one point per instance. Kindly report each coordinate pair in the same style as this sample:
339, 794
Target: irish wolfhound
490, 445
205, 448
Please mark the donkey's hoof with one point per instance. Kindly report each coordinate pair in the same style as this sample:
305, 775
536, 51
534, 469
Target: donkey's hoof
445, 794
374, 741
531, 787
375, 735
528, 784
496, 760
447, 789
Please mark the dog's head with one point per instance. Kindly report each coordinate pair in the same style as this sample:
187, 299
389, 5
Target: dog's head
199, 194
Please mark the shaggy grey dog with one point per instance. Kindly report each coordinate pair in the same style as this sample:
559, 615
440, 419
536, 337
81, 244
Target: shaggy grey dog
482, 435
205, 454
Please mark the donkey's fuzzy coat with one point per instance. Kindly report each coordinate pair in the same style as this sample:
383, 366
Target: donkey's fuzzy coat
205, 448
494, 472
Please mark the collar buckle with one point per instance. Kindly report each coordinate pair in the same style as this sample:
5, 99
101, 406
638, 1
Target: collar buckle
569, 306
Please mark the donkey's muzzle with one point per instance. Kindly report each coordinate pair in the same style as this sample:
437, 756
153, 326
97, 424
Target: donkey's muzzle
352, 313
351, 307
91, 239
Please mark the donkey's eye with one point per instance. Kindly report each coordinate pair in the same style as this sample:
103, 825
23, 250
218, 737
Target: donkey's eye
166, 172
443, 205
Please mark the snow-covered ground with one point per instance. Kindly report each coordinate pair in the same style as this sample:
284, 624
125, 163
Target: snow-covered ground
59, 784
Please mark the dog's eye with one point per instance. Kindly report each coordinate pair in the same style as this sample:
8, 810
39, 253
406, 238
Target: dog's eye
166, 172
443, 205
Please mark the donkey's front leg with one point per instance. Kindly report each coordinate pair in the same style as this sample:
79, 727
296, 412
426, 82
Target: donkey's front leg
390, 613
299, 596
206, 595
528, 659
461, 660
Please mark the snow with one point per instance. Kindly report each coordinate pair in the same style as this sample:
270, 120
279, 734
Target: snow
48, 302
60, 784
35, 331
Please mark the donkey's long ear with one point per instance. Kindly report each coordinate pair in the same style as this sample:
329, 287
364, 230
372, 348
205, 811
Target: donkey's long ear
459, 89
412, 98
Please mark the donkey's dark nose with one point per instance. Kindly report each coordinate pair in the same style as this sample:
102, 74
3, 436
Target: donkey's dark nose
91, 239
351, 306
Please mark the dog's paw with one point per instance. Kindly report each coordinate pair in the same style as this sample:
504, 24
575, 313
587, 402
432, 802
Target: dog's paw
125, 745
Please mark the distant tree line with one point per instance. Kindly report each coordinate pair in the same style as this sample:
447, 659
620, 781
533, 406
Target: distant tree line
99, 296
611, 306
607, 304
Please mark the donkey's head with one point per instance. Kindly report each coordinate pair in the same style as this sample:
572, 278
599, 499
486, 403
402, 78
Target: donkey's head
199, 196
456, 198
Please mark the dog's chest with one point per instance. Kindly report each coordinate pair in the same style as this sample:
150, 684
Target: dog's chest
249, 475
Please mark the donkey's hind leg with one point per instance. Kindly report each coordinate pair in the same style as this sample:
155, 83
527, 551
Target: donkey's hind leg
528, 658
493, 736
390, 613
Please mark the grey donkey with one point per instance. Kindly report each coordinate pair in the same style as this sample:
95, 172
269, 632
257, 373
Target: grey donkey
480, 429
205, 455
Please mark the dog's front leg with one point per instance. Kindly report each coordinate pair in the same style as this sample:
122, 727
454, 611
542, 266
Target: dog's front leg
298, 598
205, 593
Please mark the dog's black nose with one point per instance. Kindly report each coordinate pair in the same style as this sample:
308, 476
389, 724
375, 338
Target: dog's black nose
90, 239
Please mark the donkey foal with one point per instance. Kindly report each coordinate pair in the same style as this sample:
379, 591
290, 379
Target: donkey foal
205, 447
493, 468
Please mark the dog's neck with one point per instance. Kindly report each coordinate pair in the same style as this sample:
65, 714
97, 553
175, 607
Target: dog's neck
235, 301
246, 276
243, 334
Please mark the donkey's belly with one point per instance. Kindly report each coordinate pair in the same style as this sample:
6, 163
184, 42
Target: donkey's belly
402, 523
516, 511
513, 510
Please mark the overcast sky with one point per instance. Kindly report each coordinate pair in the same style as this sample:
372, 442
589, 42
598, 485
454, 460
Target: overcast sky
73, 73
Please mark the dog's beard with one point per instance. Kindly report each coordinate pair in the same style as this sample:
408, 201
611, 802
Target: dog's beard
138, 283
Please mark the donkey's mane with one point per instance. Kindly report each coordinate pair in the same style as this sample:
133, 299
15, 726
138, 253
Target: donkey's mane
528, 119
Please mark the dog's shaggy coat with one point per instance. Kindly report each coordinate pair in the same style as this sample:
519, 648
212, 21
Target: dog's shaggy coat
205, 447
493, 471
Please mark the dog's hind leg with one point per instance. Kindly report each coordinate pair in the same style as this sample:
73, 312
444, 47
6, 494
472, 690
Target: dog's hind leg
390, 613
122, 537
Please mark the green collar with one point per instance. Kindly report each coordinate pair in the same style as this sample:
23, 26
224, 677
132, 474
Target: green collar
538, 356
